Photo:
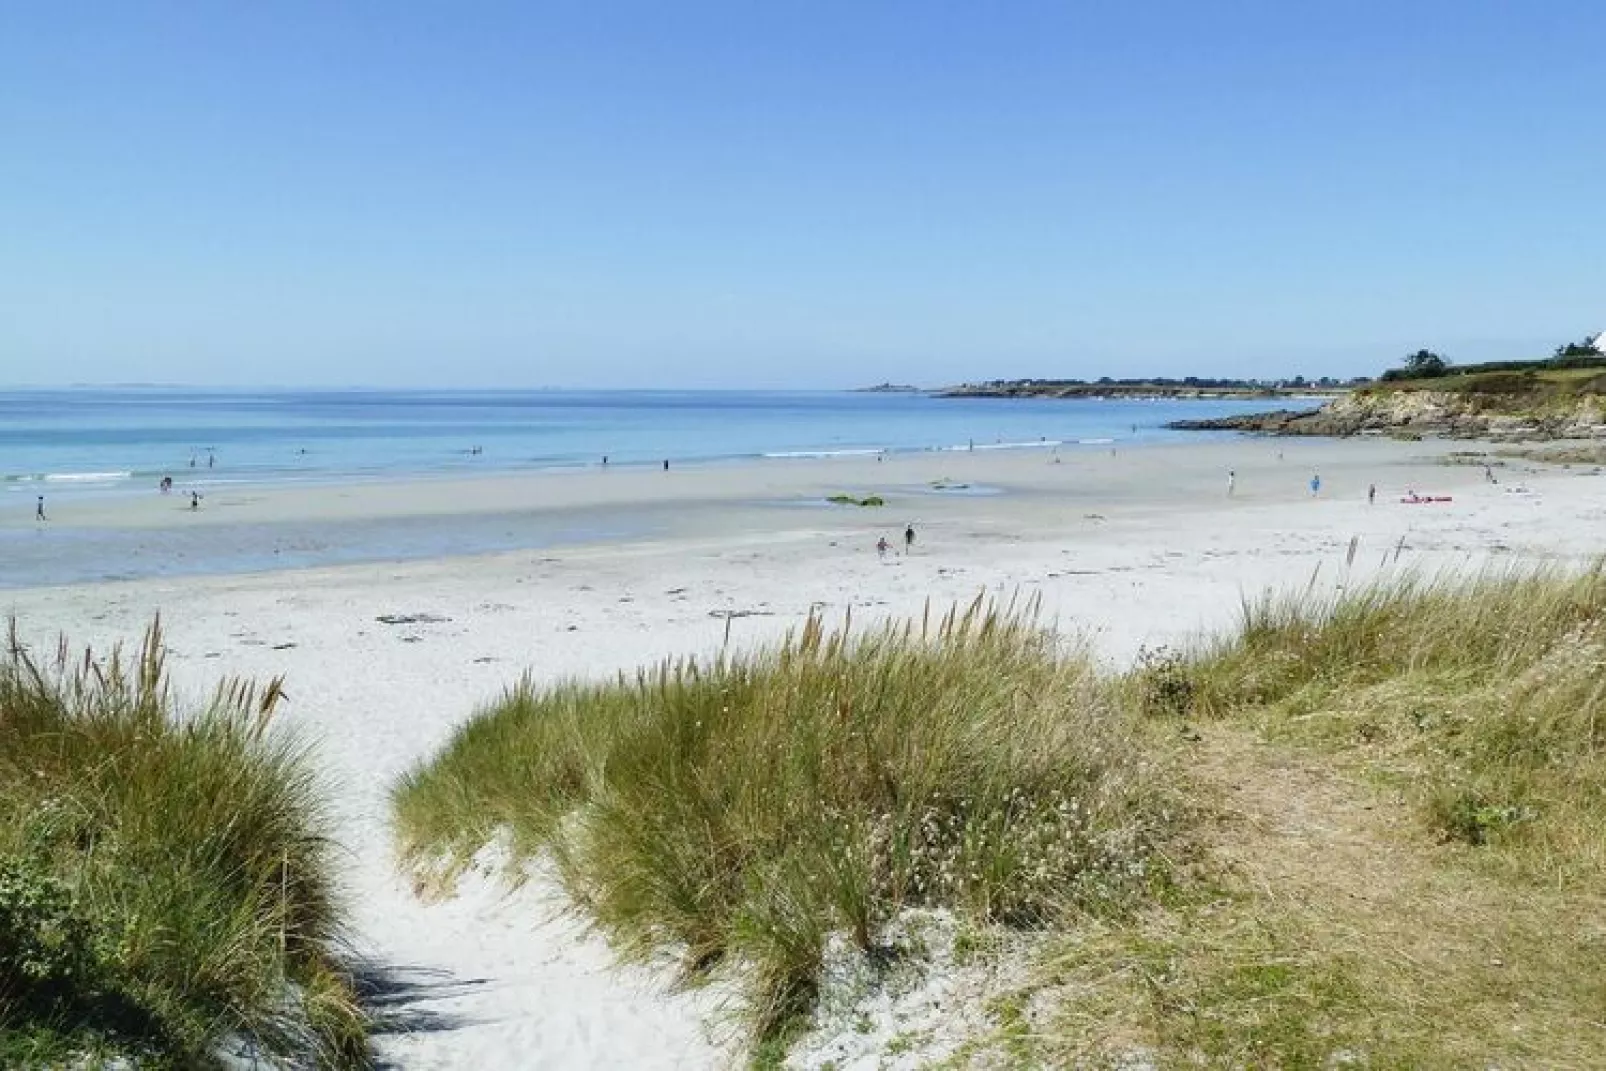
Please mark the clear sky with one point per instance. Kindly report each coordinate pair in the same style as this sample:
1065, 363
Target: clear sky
792, 194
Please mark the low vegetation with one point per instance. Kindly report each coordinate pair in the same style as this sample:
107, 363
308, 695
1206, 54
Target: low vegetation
1409, 784
165, 889
1485, 703
1390, 853
1425, 369
742, 810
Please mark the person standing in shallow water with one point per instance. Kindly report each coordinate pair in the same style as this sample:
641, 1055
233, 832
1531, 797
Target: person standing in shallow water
909, 539
1371, 494
1315, 485
39, 510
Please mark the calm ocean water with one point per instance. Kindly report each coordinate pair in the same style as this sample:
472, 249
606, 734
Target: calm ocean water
86, 441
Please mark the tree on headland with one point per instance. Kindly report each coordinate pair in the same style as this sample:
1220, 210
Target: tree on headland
1590, 347
1423, 364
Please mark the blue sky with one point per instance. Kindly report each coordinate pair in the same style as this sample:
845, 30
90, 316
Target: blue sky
792, 194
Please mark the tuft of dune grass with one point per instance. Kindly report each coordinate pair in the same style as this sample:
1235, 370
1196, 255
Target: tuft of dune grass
165, 876
740, 809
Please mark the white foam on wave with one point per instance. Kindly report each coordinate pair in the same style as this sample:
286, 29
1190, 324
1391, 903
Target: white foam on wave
1094, 442
824, 453
86, 477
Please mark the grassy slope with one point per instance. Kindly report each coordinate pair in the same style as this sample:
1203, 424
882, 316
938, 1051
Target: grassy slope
1517, 391
743, 810
164, 880
1410, 786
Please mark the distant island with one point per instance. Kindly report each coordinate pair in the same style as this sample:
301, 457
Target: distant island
1188, 387
889, 388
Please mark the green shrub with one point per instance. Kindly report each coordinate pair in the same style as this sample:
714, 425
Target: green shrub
46, 952
1165, 683
741, 809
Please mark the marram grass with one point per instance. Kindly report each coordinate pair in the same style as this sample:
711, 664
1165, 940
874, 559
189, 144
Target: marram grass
165, 876
739, 810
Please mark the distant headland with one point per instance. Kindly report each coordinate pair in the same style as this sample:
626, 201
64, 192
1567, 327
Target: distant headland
1560, 397
1189, 387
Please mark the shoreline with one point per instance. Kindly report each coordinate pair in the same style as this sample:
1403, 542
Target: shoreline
274, 528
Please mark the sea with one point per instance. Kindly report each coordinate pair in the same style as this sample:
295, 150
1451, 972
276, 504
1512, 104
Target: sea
110, 441
79, 444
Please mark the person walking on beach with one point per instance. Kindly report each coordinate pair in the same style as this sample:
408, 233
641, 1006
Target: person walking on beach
39, 511
909, 539
1315, 485
881, 546
1232, 481
666, 464
195, 501
1371, 494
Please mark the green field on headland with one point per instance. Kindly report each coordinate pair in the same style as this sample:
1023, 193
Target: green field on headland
1562, 397
1363, 830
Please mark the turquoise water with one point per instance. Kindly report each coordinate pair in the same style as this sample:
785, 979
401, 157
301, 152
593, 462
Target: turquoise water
76, 444
105, 441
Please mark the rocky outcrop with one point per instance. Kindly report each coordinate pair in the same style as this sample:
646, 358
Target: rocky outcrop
1507, 416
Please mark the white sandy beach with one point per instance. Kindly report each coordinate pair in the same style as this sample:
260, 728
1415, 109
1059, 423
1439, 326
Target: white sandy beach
1141, 548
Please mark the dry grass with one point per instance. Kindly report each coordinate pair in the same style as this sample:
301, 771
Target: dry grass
1333, 931
1482, 699
1408, 786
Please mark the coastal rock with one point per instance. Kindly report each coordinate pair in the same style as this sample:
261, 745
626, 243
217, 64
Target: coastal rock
1517, 411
